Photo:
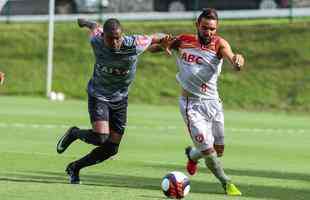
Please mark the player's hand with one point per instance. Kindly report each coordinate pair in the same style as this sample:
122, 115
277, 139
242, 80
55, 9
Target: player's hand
91, 25
2, 76
238, 61
166, 42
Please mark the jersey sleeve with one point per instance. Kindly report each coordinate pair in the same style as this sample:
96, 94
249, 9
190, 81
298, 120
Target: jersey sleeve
187, 41
142, 42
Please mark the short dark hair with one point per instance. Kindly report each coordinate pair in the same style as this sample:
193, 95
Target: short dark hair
208, 13
111, 24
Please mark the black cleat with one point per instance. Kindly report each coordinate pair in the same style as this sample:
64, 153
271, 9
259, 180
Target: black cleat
66, 139
73, 174
187, 151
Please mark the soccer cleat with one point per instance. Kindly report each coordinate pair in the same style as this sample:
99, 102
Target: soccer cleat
73, 174
66, 139
232, 190
191, 165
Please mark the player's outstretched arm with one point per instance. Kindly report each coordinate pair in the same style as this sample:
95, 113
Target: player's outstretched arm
172, 44
160, 42
156, 42
1, 78
154, 48
91, 25
237, 60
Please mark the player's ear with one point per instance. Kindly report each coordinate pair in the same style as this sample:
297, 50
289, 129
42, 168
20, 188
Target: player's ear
197, 24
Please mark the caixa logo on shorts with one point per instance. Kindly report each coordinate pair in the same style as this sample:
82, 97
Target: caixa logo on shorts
113, 70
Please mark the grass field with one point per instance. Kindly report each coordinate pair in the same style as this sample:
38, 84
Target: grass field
267, 154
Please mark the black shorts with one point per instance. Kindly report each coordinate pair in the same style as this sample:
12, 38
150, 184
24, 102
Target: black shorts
114, 112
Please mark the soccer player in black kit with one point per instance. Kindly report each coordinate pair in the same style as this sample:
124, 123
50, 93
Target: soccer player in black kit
116, 57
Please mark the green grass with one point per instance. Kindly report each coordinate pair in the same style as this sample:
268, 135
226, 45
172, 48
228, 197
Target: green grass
266, 154
276, 74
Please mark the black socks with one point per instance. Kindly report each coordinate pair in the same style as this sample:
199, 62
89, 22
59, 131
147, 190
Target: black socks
91, 137
97, 155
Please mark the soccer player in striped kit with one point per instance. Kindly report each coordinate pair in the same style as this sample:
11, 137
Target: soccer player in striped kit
116, 57
199, 59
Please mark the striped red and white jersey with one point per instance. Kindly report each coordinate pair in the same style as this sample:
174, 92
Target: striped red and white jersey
199, 66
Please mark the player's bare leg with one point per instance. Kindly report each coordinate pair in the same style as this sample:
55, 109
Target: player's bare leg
218, 134
219, 148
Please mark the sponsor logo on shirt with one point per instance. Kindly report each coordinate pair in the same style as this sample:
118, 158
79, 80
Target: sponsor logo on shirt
192, 58
113, 70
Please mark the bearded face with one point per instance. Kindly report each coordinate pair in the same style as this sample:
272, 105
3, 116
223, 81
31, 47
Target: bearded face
206, 29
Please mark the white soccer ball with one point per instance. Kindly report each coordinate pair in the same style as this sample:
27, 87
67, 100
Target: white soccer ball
175, 185
60, 96
52, 96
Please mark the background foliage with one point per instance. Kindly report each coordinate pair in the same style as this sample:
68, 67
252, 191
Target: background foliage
276, 75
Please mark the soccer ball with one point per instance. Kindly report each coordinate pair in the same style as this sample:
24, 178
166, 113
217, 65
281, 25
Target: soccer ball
60, 96
175, 185
52, 96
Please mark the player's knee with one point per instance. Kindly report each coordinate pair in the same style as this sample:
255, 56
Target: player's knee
101, 138
111, 148
105, 151
219, 148
101, 126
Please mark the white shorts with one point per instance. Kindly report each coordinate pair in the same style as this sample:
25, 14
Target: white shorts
204, 120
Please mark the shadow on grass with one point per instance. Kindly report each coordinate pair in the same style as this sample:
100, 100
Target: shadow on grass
282, 193
239, 172
110, 180
148, 183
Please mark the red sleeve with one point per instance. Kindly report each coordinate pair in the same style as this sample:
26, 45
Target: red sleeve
187, 41
187, 37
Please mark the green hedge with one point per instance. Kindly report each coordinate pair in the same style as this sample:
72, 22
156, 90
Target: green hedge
277, 74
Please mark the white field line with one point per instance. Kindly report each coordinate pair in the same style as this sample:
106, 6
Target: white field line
229, 129
41, 154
